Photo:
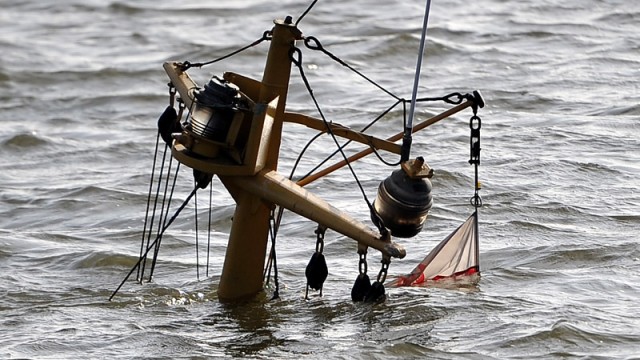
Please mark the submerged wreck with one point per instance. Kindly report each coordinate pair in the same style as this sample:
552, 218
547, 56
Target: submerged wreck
231, 127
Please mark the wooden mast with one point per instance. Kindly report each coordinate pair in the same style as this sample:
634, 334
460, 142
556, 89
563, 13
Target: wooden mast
244, 261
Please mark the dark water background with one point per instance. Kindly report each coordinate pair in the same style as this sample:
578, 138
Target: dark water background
82, 86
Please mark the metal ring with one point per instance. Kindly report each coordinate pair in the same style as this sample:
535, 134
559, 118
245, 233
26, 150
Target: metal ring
316, 46
475, 119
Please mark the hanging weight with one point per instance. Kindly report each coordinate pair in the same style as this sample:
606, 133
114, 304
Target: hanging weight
316, 271
376, 294
361, 287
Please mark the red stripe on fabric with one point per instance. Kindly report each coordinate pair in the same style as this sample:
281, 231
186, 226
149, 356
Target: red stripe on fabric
469, 271
419, 280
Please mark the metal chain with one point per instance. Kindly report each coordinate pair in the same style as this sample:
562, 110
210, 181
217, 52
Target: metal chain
172, 94
475, 123
320, 231
362, 264
382, 275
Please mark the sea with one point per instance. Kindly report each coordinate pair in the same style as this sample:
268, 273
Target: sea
82, 87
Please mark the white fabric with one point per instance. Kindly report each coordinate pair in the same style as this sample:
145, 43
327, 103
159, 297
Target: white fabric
455, 255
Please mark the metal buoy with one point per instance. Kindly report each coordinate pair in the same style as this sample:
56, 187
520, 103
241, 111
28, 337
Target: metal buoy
404, 199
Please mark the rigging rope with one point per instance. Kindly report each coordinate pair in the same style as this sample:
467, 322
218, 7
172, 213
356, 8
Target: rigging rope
146, 217
163, 213
195, 201
272, 262
265, 36
153, 213
165, 216
152, 245
406, 140
313, 3
165, 129
344, 145
298, 63
166, 121
317, 46
209, 228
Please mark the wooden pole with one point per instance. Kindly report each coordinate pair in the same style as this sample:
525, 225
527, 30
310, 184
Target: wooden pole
244, 260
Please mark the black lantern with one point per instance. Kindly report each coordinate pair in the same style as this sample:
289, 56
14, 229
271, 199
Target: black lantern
213, 109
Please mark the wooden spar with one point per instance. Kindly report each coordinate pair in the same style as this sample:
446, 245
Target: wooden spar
313, 177
278, 189
342, 131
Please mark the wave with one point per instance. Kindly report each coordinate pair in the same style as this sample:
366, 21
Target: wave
95, 260
25, 141
616, 110
550, 259
573, 337
628, 17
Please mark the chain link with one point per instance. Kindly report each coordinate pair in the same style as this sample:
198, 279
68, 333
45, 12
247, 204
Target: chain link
362, 264
172, 94
474, 125
320, 231
382, 275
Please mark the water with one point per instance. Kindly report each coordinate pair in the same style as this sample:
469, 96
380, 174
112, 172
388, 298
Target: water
82, 86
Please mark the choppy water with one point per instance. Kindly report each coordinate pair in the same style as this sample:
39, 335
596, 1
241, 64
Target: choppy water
82, 86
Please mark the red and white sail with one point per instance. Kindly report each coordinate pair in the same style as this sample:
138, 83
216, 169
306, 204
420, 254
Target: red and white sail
455, 256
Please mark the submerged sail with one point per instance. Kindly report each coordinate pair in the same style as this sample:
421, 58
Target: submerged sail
457, 255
